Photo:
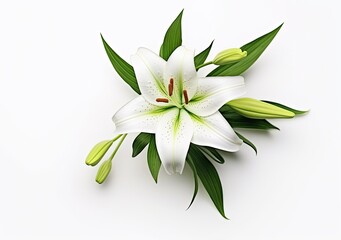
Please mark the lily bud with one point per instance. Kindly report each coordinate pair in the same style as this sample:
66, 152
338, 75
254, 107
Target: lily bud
97, 152
103, 171
253, 108
229, 56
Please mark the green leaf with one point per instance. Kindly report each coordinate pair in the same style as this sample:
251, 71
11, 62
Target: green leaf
297, 112
153, 158
246, 141
140, 142
124, 69
226, 109
172, 39
161, 50
238, 121
259, 124
195, 175
254, 50
209, 177
201, 57
212, 153
97, 152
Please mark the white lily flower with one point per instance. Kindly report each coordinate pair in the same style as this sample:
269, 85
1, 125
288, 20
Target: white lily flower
179, 107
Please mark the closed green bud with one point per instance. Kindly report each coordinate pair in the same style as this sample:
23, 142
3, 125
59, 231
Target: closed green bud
253, 108
97, 152
103, 171
229, 56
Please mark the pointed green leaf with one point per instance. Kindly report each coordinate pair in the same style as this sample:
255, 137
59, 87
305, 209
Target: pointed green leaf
153, 158
195, 175
246, 141
140, 142
201, 57
247, 123
124, 69
212, 153
238, 121
254, 50
161, 50
297, 112
209, 177
226, 109
97, 152
172, 39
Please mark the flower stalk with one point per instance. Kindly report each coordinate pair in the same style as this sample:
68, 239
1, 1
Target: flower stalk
117, 147
105, 168
204, 65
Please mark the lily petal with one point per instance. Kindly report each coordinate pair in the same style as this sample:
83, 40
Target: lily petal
215, 131
180, 67
149, 69
214, 92
173, 135
138, 115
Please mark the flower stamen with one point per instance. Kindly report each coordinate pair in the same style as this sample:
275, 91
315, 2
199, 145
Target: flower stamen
185, 96
170, 87
165, 100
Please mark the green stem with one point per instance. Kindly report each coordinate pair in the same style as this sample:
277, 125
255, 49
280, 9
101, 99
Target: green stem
114, 139
203, 65
118, 145
117, 137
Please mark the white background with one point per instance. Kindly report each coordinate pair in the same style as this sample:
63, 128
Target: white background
58, 92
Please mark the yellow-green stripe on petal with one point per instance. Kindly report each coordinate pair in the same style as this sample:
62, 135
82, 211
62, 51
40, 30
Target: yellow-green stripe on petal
257, 109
